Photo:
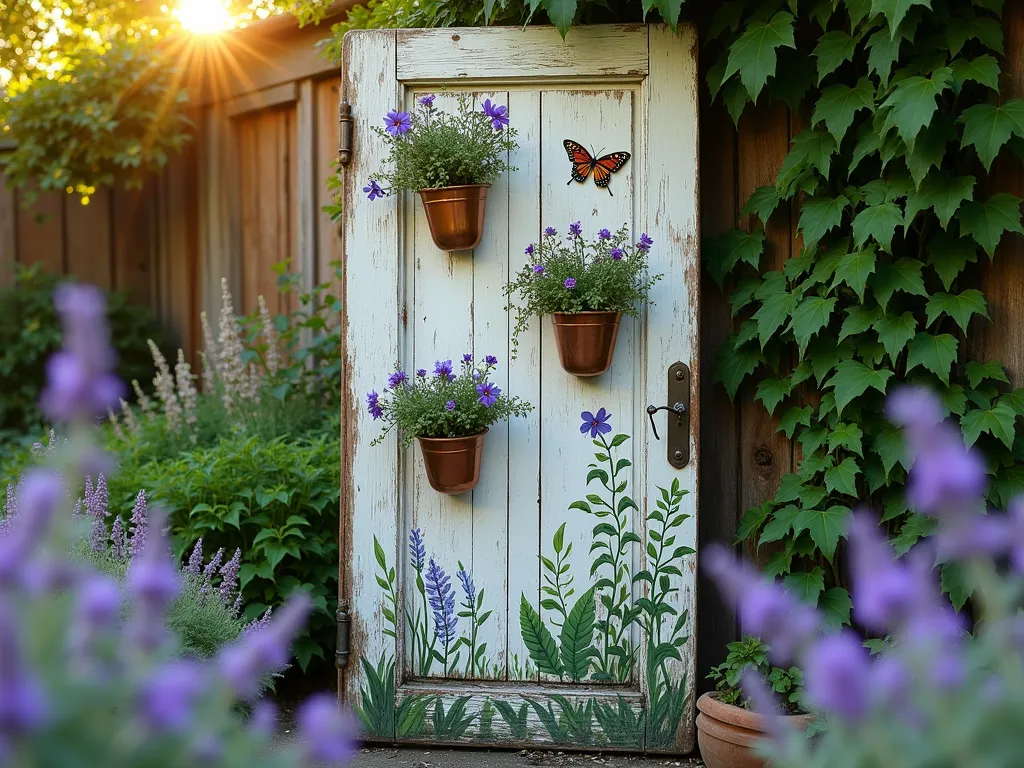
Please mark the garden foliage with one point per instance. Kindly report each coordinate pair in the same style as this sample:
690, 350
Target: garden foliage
752, 654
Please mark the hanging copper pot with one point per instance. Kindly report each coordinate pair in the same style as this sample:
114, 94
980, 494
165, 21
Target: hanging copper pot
456, 215
453, 463
586, 340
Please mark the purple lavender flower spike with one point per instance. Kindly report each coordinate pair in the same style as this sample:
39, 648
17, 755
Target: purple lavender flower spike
498, 114
23, 704
263, 720
885, 591
764, 703
328, 736
570, 283
596, 424
39, 494
838, 672
154, 582
195, 560
168, 696
946, 478
211, 570
373, 190
97, 609
890, 684
488, 394
417, 549
138, 526
397, 123
118, 539
229, 576
442, 602
373, 405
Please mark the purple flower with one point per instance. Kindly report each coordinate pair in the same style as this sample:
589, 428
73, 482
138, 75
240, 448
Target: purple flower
575, 229
570, 283
168, 696
595, 423
118, 539
529, 250
915, 408
195, 560
422, 373
417, 549
604, 234
138, 526
39, 493
427, 101
837, 672
763, 703
550, 231
373, 405
616, 254
443, 370
442, 602
890, 683
498, 115
212, 567
263, 720
538, 269
396, 378
97, 609
328, 736
398, 123
373, 190
467, 358
491, 361
22, 702
488, 393
229, 576
885, 591
645, 243
450, 405
154, 582
946, 477
467, 586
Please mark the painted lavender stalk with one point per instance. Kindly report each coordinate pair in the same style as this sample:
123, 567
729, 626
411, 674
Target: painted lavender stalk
418, 628
471, 610
442, 603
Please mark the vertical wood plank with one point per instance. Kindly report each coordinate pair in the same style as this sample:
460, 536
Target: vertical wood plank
41, 233
8, 231
89, 249
249, 142
272, 206
289, 217
132, 240
222, 191
304, 164
328, 247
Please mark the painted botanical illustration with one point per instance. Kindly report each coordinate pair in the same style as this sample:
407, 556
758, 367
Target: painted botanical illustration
600, 631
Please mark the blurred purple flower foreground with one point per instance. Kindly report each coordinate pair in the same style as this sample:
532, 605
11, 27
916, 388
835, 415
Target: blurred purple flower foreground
89, 674
935, 694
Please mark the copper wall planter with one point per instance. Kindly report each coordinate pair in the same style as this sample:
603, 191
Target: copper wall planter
453, 463
586, 340
456, 215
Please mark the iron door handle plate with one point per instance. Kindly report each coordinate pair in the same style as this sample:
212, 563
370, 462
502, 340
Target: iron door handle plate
677, 436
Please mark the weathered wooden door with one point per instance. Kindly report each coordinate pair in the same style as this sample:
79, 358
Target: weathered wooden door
574, 617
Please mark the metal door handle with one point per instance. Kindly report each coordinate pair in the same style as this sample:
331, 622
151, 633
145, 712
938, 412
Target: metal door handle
677, 437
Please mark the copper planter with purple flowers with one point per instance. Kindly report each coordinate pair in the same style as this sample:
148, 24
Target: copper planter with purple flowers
456, 215
453, 463
586, 340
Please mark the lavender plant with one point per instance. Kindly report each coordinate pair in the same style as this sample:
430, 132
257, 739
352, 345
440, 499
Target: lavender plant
444, 404
939, 692
576, 275
430, 149
89, 669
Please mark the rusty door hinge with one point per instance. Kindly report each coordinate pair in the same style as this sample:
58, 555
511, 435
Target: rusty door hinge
344, 620
345, 136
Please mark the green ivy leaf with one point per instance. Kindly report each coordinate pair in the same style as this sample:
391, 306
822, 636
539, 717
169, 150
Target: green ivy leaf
895, 10
998, 422
819, 215
728, 16
852, 379
984, 29
794, 416
775, 310
869, 141
724, 252
842, 478
812, 439
979, 372
825, 526
890, 447
878, 222
780, 525
883, 50
669, 11
771, 392
838, 104
763, 201
948, 256
986, 222
735, 363
930, 148
887, 190
734, 95
961, 307
858, 319
806, 586
983, 69
848, 436
835, 606
854, 269
744, 294
752, 521
914, 101
561, 13
904, 275
811, 149
832, 49
895, 331
753, 54
955, 584
936, 353
810, 316
987, 127
941, 191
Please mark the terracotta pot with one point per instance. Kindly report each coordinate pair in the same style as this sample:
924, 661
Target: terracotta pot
727, 735
453, 463
456, 215
586, 340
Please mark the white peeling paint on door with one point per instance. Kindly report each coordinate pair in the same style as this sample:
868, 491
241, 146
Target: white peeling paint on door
408, 305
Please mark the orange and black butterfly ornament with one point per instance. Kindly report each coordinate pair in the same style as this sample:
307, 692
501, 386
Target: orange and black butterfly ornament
583, 163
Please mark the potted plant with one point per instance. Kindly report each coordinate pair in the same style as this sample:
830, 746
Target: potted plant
449, 414
586, 287
727, 731
451, 160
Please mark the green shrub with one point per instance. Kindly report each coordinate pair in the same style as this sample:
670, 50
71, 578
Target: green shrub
30, 332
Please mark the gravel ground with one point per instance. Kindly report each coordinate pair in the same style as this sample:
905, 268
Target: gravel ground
474, 758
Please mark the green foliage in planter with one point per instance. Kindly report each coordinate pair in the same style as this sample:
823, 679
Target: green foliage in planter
30, 332
787, 684
887, 175
276, 500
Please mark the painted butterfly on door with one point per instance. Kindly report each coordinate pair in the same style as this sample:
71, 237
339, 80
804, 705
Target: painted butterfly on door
583, 162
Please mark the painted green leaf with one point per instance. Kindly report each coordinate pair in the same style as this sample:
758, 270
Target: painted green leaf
538, 640
983, 69
891, 449
763, 201
826, 527
806, 586
820, 215
904, 275
736, 363
878, 222
961, 307
775, 310
895, 10
794, 416
987, 127
852, 379
948, 256
998, 422
724, 252
979, 372
772, 391
561, 13
838, 104
986, 222
848, 436
835, 606
780, 525
832, 49
895, 331
753, 54
854, 269
811, 149
941, 191
842, 478
936, 353
577, 636
809, 317
914, 101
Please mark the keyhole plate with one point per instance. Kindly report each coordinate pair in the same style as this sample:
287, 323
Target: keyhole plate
677, 431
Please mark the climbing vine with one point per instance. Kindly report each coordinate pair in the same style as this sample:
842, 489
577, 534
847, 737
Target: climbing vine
888, 176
